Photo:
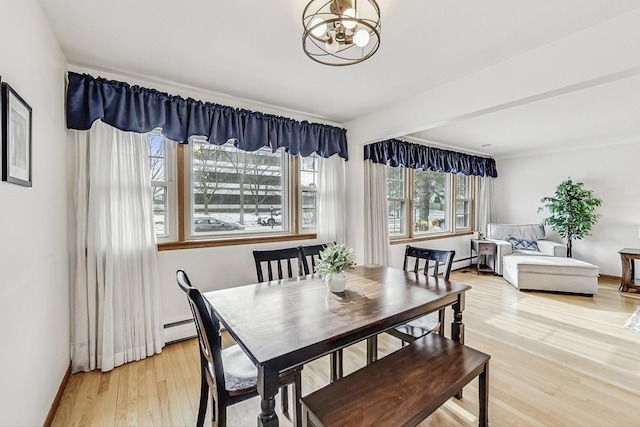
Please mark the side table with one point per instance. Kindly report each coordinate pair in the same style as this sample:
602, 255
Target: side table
484, 248
627, 256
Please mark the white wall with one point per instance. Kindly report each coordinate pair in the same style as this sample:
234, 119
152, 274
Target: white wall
611, 172
34, 296
596, 52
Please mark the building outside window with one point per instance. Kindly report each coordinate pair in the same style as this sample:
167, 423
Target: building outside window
230, 193
240, 188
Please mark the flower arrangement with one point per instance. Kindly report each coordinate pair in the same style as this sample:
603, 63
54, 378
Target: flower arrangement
335, 259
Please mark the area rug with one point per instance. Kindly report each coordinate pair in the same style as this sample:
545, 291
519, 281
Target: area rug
633, 322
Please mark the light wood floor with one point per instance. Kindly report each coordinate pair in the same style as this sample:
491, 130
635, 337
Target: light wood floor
557, 360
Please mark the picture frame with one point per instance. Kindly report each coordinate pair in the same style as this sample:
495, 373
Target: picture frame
16, 138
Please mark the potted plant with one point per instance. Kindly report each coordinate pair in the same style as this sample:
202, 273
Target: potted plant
334, 260
572, 211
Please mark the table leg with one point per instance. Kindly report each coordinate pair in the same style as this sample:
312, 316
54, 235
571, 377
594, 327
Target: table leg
336, 365
628, 272
268, 384
457, 327
483, 397
372, 349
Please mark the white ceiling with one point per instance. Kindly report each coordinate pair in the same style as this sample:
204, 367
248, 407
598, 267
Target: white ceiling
251, 49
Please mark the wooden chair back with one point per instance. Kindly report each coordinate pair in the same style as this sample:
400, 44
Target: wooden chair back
276, 258
429, 257
310, 256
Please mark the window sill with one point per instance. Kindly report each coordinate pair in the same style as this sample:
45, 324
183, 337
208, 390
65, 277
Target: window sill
404, 240
193, 244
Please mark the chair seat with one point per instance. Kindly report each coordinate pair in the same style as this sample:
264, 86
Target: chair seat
240, 374
420, 326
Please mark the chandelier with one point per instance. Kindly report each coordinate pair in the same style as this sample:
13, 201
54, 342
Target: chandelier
341, 32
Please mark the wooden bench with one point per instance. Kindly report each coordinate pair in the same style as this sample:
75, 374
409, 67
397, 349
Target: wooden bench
402, 388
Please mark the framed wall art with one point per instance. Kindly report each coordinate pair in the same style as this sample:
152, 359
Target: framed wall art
16, 138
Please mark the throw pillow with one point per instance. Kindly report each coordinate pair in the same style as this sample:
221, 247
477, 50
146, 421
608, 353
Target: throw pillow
527, 245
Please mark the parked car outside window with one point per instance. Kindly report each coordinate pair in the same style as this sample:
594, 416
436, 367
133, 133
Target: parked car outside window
208, 224
275, 218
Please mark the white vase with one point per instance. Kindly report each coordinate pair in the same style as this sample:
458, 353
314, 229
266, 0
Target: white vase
337, 282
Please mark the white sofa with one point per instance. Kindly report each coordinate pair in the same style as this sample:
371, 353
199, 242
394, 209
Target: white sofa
499, 233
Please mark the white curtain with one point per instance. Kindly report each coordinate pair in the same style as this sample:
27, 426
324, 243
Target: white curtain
332, 215
115, 306
486, 204
376, 213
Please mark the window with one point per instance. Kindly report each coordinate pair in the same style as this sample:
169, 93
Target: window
160, 166
439, 203
463, 202
230, 193
430, 197
309, 191
397, 201
246, 190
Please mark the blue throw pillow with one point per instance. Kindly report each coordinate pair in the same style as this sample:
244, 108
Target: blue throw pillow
527, 245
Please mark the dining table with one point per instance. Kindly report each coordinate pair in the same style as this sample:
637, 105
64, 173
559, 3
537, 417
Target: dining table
286, 323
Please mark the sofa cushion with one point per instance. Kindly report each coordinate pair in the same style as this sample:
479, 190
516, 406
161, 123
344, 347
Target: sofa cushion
550, 265
524, 244
521, 231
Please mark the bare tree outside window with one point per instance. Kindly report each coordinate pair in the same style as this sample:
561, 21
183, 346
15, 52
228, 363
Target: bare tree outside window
236, 187
210, 164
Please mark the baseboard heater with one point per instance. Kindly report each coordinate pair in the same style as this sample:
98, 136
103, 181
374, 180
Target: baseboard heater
179, 331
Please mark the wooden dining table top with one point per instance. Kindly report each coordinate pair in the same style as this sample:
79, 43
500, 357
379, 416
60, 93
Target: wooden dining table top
292, 321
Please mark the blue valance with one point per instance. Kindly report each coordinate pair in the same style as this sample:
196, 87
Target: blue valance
395, 152
137, 109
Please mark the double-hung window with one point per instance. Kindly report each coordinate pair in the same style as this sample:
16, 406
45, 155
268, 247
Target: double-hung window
161, 166
224, 194
427, 204
309, 191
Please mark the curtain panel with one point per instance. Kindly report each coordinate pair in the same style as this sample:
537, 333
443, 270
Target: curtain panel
395, 152
137, 109
115, 307
376, 215
332, 213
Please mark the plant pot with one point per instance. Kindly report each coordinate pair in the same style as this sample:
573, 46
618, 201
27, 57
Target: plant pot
336, 282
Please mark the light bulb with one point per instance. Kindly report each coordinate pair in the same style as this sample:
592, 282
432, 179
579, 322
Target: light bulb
332, 46
349, 24
361, 39
320, 29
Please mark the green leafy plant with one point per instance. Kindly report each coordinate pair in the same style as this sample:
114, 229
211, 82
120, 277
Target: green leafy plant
335, 259
572, 211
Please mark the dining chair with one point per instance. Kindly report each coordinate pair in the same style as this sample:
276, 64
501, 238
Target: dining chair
310, 255
275, 258
423, 260
228, 374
